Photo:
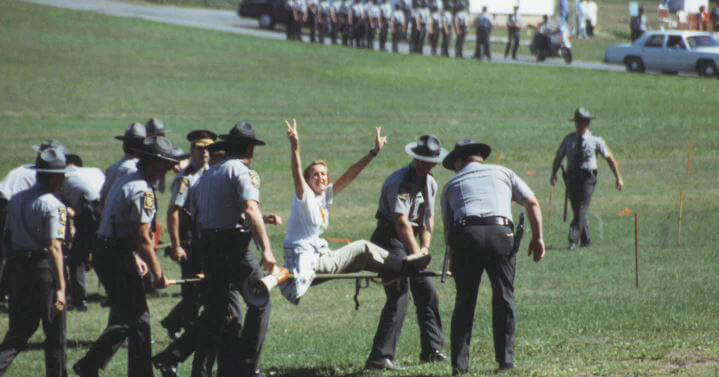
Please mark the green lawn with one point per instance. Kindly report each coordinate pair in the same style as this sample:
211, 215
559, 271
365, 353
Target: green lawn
82, 78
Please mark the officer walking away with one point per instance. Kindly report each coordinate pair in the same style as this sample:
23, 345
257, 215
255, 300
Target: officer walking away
405, 221
398, 27
131, 143
581, 149
446, 25
34, 234
125, 228
182, 232
483, 26
81, 193
514, 26
460, 27
477, 217
229, 193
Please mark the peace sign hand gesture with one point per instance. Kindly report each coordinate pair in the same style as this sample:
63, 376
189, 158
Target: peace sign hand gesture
292, 134
379, 141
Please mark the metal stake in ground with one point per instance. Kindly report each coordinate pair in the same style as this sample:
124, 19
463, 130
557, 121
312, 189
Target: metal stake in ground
681, 217
636, 248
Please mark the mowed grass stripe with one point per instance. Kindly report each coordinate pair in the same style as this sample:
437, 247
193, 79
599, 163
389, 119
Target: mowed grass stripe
82, 78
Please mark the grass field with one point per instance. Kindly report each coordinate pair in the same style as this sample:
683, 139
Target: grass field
82, 78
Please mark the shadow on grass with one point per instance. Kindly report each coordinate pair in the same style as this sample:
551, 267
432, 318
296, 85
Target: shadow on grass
339, 371
71, 343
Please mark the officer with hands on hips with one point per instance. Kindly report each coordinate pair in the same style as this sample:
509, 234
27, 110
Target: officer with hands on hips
34, 234
123, 256
581, 149
405, 214
229, 217
477, 217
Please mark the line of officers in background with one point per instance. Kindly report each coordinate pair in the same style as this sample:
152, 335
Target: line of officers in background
358, 23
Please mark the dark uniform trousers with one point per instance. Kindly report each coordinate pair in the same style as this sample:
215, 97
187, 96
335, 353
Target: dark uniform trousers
396, 35
434, 39
86, 225
512, 42
229, 270
3, 258
482, 44
580, 186
187, 312
476, 249
383, 32
459, 43
129, 316
32, 295
446, 37
391, 320
371, 31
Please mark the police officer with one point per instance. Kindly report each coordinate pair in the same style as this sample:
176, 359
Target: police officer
18, 179
81, 193
435, 16
385, 18
373, 15
155, 127
483, 26
357, 21
460, 27
406, 214
290, 28
131, 142
581, 149
126, 228
445, 26
422, 19
229, 217
182, 232
477, 217
514, 26
398, 27
344, 24
34, 234
333, 20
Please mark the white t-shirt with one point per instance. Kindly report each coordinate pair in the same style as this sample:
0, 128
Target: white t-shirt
303, 246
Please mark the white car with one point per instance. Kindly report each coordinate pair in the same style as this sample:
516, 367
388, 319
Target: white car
668, 51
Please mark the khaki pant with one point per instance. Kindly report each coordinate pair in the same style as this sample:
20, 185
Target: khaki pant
357, 256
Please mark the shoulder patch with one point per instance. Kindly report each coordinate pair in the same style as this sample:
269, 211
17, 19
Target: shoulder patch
403, 196
61, 231
255, 179
62, 212
184, 184
149, 201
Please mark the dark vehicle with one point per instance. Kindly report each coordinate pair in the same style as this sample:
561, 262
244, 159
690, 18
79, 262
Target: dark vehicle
266, 12
556, 44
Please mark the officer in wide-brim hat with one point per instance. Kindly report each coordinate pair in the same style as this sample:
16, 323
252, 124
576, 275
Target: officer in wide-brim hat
477, 217
229, 217
405, 221
124, 235
581, 149
36, 229
131, 140
466, 148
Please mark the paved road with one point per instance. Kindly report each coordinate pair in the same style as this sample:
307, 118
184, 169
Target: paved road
227, 21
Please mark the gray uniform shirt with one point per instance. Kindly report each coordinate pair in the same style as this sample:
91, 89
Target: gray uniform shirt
82, 184
18, 179
126, 166
482, 190
584, 158
222, 191
35, 217
183, 184
130, 203
406, 194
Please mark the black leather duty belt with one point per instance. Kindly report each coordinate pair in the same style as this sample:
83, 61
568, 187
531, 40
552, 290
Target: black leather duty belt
490, 220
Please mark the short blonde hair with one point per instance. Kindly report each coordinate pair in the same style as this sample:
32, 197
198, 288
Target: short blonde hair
306, 173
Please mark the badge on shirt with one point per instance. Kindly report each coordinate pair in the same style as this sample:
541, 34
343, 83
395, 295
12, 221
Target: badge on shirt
149, 202
62, 212
255, 179
184, 184
61, 231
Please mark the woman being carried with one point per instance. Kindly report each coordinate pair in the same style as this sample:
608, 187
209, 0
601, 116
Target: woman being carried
306, 254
